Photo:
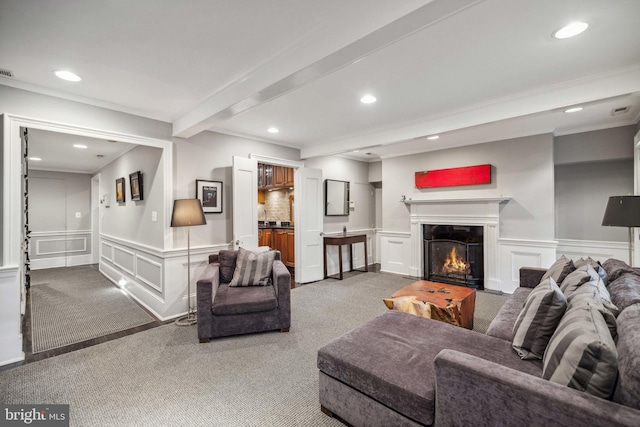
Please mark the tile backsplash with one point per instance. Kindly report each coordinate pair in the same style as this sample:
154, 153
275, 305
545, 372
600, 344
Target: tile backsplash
276, 206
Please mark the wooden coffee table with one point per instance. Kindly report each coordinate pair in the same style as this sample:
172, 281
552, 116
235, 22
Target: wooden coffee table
458, 302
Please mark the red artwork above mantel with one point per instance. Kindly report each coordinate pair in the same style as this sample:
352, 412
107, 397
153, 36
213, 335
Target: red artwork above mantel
468, 175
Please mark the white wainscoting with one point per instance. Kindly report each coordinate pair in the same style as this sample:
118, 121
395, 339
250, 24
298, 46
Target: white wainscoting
358, 253
50, 249
598, 250
395, 252
516, 253
10, 321
155, 278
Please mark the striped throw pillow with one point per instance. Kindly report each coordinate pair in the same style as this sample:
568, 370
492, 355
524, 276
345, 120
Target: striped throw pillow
538, 320
581, 353
253, 269
577, 278
559, 269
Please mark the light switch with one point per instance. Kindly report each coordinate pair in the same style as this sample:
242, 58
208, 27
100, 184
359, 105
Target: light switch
78, 214
154, 216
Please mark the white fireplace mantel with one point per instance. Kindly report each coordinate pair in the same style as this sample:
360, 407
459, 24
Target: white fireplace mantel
482, 211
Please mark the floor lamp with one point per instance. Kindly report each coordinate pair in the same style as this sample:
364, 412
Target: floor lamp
187, 212
623, 211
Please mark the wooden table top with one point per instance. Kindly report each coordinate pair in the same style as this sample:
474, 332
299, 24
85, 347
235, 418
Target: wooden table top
439, 294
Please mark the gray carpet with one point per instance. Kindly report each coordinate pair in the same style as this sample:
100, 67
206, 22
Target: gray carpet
164, 377
75, 304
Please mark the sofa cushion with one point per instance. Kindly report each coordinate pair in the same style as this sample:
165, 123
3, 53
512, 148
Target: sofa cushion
252, 269
227, 260
577, 278
581, 353
559, 270
628, 387
502, 325
538, 319
596, 266
390, 359
598, 291
616, 268
625, 290
241, 300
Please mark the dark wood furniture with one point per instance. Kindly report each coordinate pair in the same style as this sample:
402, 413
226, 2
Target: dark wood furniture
341, 240
443, 296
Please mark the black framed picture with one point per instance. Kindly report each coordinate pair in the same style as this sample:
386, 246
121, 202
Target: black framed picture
120, 190
135, 182
210, 194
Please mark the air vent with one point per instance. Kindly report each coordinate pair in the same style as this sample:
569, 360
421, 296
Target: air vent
620, 110
5, 73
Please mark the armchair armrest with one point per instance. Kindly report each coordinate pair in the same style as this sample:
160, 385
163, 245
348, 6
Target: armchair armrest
206, 289
530, 276
282, 283
474, 391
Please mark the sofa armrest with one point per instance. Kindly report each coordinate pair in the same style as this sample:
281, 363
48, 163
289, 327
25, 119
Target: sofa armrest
475, 391
206, 289
282, 283
530, 276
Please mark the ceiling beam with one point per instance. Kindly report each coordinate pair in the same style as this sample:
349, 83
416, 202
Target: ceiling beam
311, 59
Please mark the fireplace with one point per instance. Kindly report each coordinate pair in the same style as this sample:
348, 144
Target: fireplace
454, 254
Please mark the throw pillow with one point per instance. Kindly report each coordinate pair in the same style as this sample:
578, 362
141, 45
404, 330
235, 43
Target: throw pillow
581, 353
227, 261
538, 320
596, 266
598, 291
559, 270
253, 269
627, 390
577, 278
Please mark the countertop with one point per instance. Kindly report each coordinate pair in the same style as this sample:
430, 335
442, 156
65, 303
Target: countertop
276, 227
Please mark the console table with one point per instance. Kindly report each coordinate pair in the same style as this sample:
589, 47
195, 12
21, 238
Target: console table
340, 241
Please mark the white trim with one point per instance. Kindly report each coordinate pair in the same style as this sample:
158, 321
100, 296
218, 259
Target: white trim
598, 250
61, 233
384, 233
65, 251
137, 246
155, 286
68, 261
122, 267
198, 250
103, 255
276, 161
549, 244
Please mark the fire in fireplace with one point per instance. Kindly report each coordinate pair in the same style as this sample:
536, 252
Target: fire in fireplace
454, 254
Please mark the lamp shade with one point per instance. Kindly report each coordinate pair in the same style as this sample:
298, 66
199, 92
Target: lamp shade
187, 212
622, 211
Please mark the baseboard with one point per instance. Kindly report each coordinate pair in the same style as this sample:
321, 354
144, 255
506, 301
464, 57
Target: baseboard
69, 261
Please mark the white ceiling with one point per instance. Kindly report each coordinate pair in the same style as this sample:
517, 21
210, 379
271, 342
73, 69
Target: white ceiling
469, 70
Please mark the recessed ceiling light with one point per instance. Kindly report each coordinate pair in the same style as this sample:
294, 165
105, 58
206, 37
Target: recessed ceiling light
35, 159
273, 130
433, 137
79, 146
356, 151
68, 76
368, 99
573, 110
570, 30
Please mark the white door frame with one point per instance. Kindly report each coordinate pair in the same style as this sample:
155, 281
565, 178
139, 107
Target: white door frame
95, 219
12, 204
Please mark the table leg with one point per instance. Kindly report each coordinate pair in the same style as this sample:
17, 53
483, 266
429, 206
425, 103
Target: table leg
340, 259
366, 266
325, 259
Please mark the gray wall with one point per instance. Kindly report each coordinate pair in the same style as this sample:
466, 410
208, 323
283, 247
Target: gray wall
54, 199
362, 193
132, 220
590, 167
209, 156
595, 146
522, 168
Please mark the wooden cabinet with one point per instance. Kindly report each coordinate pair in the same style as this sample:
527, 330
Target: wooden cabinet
265, 237
288, 177
283, 240
271, 176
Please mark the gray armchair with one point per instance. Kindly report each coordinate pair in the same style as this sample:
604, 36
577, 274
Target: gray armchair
225, 310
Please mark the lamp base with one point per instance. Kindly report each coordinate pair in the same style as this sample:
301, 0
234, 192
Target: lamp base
188, 320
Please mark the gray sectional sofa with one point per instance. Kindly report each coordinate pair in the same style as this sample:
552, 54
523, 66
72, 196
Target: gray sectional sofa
403, 370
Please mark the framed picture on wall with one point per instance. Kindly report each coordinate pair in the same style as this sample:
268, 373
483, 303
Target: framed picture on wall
210, 194
120, 190
135, 182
